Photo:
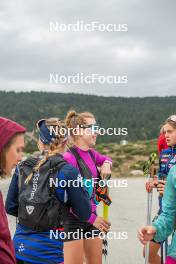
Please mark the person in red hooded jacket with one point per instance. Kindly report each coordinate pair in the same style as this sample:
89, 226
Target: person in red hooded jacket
162, 144
11, 150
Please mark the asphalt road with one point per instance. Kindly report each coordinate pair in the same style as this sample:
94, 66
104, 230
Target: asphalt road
127, 214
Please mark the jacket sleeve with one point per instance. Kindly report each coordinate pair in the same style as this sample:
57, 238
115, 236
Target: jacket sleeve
77, 197
165, 222
11, 204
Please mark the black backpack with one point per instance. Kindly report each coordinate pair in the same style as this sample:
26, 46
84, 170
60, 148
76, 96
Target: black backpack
39, 208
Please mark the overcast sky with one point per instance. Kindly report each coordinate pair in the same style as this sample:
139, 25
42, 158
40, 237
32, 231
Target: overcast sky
146, 53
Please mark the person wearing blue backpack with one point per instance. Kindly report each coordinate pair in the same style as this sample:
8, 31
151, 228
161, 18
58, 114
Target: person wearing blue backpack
41, 207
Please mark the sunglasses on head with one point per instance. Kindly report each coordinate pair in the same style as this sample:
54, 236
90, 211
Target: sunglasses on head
172, 118
94, 127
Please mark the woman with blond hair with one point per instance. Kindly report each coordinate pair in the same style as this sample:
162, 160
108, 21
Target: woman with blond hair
40, 200
163, 226
83, 130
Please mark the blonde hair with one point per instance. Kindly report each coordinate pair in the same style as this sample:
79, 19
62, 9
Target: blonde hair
74, 119
170, 122
162, 129
54, 147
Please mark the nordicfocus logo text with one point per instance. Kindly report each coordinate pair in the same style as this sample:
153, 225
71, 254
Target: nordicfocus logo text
79, 234
34, 185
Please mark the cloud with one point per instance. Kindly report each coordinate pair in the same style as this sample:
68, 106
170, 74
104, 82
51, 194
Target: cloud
146, 53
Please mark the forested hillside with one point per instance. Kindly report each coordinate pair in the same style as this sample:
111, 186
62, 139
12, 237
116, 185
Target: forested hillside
142, 116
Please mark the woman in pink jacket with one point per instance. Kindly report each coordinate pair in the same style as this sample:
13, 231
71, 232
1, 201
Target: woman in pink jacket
84, 130
11, 150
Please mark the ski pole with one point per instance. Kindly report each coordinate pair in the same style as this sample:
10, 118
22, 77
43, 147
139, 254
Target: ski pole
105, 241
149, 211
106, 217
165, 243
149, 171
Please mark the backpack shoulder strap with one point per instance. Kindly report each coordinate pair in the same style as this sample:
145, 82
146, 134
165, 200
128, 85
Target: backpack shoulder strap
83, 168
57, 162
75, 153
25, 168
92, 156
